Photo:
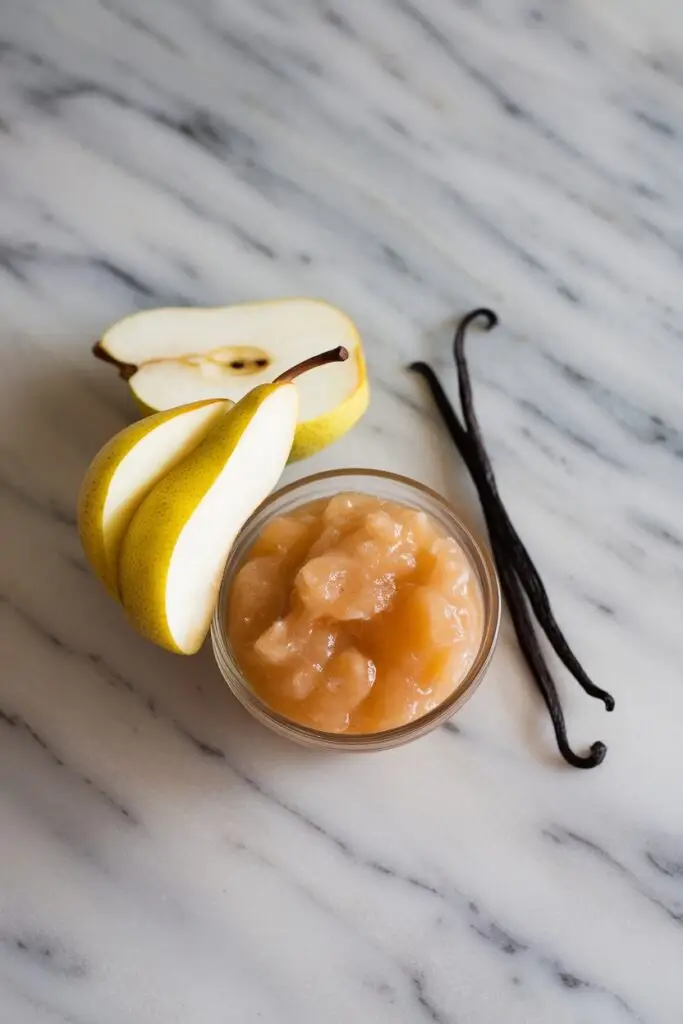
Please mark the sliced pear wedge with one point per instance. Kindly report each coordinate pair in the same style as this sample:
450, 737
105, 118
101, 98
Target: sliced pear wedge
126, 468
173, 356
175, 548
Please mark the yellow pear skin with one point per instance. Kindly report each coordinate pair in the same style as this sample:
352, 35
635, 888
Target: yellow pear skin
101, 536
314, 435
155, 531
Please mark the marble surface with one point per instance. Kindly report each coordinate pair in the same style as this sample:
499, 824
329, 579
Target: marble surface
164, 858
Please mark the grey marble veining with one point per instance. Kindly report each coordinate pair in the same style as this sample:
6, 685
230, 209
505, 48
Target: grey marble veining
164, 858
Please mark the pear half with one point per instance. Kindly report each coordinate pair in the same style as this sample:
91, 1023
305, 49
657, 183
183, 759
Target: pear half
126, 468
176, 545
173, 356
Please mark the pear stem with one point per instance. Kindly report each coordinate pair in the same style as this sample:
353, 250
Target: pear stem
126, 370
333, 355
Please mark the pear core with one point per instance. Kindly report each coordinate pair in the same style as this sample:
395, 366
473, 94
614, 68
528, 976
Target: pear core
355, 615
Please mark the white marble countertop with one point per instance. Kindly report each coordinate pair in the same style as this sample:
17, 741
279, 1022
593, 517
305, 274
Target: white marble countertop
164, 858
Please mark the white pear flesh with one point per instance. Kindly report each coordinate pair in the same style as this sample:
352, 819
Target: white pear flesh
175, 548
183, 355
126, 469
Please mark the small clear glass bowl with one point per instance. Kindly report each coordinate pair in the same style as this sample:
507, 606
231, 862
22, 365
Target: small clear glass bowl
392, 488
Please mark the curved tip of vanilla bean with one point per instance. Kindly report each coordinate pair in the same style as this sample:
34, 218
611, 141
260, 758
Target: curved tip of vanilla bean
596, 756
482, 313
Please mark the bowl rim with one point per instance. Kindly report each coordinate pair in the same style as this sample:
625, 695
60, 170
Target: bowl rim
478, 554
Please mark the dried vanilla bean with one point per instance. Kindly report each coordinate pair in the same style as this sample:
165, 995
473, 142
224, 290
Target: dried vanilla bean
517, 572
524, 566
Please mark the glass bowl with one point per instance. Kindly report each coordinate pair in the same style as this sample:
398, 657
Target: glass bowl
392, 488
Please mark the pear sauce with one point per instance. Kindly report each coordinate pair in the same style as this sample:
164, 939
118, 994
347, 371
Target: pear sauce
355, 614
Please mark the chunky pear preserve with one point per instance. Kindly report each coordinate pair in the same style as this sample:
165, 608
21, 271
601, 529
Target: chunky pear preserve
355, 615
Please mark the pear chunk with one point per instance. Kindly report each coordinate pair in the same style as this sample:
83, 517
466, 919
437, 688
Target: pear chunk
126, 469
173, 356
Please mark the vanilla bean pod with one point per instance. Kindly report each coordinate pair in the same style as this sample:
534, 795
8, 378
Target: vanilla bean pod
528, 574
516, 569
